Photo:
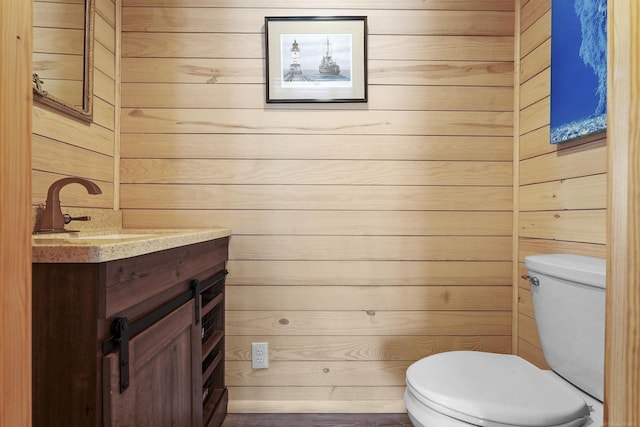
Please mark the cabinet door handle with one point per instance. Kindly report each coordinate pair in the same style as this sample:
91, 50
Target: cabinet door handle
120, 329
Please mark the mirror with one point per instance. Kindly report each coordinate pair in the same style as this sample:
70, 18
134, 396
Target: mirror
63, 55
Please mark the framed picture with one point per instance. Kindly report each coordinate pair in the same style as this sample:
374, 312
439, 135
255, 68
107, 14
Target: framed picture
578, 68
316, 59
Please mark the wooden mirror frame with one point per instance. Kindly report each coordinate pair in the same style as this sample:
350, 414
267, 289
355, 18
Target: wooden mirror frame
86, 111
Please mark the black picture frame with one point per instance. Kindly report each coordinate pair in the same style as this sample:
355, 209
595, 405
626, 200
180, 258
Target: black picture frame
316, 59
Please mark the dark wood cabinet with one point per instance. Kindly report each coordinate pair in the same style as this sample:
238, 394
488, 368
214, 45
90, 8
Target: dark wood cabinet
214, 392
175, 361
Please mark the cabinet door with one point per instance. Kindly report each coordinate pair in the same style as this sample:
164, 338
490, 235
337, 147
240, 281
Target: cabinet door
163, 380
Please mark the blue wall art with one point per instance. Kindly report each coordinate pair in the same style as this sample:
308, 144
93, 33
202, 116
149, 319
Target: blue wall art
578, 68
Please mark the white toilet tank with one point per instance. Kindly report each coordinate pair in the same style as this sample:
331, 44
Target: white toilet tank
569, 304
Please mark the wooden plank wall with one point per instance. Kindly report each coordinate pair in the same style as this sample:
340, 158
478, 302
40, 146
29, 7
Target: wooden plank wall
64, 146
15, 224
563, 188
364, 236
58, 28
622, 364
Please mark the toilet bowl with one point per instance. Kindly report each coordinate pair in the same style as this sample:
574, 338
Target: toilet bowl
474, 388
467, 388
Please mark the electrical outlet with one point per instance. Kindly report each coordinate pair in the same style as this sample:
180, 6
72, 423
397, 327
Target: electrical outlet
259, 355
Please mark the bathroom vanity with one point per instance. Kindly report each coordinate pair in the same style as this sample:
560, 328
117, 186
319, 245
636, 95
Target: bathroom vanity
128, 328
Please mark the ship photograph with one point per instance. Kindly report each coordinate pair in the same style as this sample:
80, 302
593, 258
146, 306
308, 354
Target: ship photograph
316, 60
328, 64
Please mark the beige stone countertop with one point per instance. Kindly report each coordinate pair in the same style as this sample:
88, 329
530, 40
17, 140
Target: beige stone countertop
95, 246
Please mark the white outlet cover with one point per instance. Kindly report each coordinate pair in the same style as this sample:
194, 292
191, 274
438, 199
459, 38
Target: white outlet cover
259, 355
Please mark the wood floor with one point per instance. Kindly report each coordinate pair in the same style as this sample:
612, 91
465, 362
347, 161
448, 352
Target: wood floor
317, 420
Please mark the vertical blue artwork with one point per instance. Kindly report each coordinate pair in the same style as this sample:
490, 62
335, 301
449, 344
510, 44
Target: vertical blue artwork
578, 68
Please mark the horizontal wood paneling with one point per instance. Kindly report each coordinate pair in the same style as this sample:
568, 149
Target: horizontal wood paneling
542, 246
532, 11
388, 21
536, 34
278, 147
380, 72
337, 348
51, 124
370, 322
315, 197
449, 98
535, 115
305, 122
536, 143
583, 225
562, 195
372, 273
364, 235
332, 222
58, 14
325, 393
398, 248
369, 298
528, 331
325, 407
535, 89
103, 60
533, 354
320, 172
333, 400
536, 61
525, 304
103, 113
53, 155
64, 146
581, 160
104, 33
504, 5
104, 87
106, 10
368, 373
586, 192
380, 47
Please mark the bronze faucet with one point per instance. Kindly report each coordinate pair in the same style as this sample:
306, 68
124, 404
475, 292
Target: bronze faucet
52, 219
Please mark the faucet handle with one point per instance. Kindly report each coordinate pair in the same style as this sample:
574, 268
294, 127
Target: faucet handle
68, 218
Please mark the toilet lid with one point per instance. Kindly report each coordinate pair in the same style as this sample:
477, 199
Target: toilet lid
487, 388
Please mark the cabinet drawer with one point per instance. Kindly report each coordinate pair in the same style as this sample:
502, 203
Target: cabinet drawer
140, 279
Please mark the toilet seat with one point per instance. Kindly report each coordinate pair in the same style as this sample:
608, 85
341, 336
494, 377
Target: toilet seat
493, 390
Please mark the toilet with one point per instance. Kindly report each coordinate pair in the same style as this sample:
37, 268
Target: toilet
474, 388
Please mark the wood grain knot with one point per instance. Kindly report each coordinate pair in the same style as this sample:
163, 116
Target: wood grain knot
283, 321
